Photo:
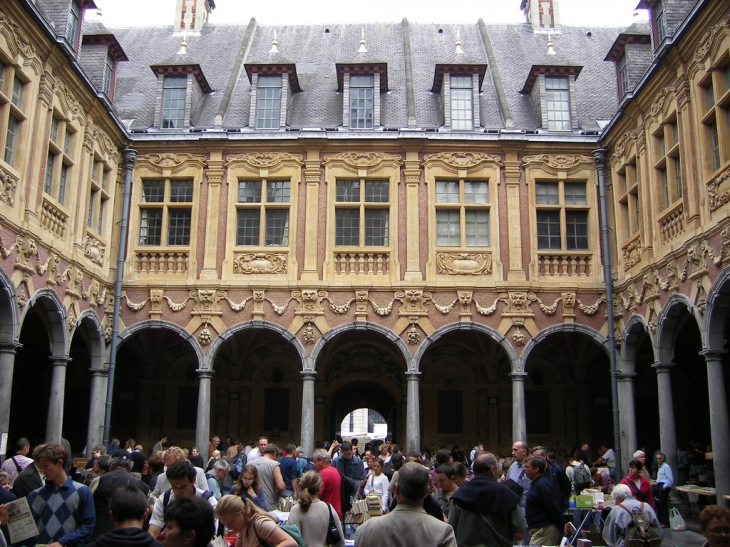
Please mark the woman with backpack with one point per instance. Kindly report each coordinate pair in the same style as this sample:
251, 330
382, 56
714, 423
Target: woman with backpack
314, 516
252, 524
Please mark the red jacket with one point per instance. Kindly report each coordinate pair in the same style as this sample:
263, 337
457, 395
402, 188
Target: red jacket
644, 489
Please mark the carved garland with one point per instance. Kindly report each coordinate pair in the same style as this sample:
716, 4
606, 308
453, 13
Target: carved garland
463, 160
360, 160
265, 160
557, 161
715, 201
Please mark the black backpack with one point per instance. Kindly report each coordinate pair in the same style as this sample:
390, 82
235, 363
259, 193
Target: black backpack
581, 478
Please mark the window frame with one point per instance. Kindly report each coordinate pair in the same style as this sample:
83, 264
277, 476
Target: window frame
167, 99
554, 96
362, 207
74, 21
59, 168
15, 90
455, 101
463, 207
264, 206
564, 211
168, 207
273, 119
99, 196
667, 161
352, 100
714, 112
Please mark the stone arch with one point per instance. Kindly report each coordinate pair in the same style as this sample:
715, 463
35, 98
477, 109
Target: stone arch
95, 330
667, 323
55, 319
718, 308
129, 332
9, 330
488, 331
634, 328
556, 329
362, 325
226, 335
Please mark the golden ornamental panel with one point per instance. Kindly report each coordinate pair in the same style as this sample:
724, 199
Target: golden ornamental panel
259, 263
464, 263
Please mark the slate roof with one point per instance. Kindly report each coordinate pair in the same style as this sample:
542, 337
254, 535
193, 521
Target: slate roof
222, 51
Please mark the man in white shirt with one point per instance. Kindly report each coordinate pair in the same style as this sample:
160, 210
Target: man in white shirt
13, 466
257, 452
172, 455
181, 476
664, 483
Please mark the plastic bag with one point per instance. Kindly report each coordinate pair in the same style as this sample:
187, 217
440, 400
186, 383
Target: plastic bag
676, 522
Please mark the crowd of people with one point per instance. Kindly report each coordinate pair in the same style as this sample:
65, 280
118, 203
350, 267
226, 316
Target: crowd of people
183, 498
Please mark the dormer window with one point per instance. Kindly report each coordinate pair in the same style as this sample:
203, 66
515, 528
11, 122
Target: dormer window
557, 99
173, 101
660, 25
623, 75
550, 87
361, 101
99, 56
73, 25
461, 102
107, 82
268, 108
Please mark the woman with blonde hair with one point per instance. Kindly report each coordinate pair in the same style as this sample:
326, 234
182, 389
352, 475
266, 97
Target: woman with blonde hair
313, 515
254, 526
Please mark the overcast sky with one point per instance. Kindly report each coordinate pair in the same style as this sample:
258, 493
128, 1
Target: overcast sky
122, 13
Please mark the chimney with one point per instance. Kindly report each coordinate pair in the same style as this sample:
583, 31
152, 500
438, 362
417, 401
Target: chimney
191, 15
543, 15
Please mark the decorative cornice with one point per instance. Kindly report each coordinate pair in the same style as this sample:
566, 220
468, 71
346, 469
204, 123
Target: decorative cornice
265, 160
360, 160
17, 43
462, 160
557, 161
176, 162
71, 106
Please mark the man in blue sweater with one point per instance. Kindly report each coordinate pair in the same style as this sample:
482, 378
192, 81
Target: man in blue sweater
63, 510
542, 512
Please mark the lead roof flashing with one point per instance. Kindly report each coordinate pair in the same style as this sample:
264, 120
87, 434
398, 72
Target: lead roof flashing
549, 70
363, 67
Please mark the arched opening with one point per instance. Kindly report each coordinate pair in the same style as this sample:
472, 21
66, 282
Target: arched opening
568, 393
31, 376
366, 411
155, 388
356, 370
646, 398
466, 392
78, 389
257, 387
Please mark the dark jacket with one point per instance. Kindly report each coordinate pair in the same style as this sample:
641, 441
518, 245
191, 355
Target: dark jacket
560, 483
28, 479
483, 494
108, 484
541, 507
125, 537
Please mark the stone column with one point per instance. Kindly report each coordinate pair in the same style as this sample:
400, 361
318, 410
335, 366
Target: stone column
627, 416
719, 427
307, 434
312, 177
54, 425
412, 175
519, 418
202, 431
95, 431
667, 433
413, 413
512, 175
7, 362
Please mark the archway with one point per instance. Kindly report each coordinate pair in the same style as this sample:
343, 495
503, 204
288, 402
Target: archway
369, 396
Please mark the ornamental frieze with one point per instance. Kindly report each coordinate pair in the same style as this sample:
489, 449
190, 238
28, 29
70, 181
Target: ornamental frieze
264, 160
71, 106
206, 301
620, 147
172, 161
17, 43
360, 160
463, 160
557, 161
259, 263
464, 263
715, 32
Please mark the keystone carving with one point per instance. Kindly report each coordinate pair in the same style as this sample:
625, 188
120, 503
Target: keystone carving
207, 301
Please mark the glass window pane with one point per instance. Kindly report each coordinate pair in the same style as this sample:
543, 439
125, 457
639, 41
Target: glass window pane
54, 128
347, 227
249, 191
268, 107
548, 230
448, 229
576, 230
178, 227
348, 191
476, 192
367, 80
100, 225
361, 107
173, 101
461, 109
476, 226
678, 176
181, 191
90, 210
376, 227
248, 222
277, 227
546, 193
447, 191
10, 139
150, 226
49, 174
153, 191
62, 184
558, 103
277, 191
377, 191
575, 193
17, 96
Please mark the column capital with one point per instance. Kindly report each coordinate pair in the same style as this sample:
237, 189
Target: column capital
662, 367
99, 371
413, 376
518, 376
10, 347
59, 361
626, 376
309, 375
713, 354
204, 372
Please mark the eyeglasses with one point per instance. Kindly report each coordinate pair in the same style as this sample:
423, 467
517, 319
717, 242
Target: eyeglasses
719, 531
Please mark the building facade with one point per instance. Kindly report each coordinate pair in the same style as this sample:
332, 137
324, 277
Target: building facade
402, 217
